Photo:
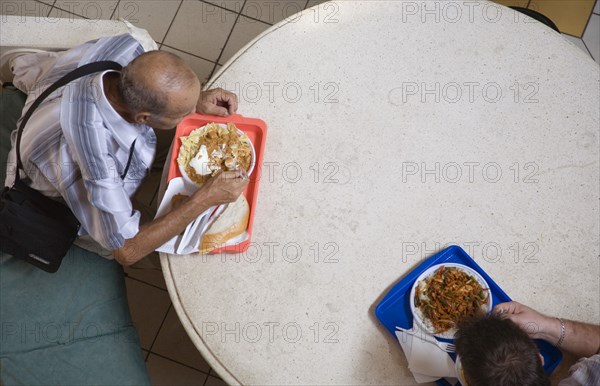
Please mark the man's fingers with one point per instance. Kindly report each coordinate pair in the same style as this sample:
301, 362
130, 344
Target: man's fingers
505, 308
228, 99
232, 100
213, 109
239, 174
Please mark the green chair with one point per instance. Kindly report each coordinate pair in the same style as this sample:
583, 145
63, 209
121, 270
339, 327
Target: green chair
72, 327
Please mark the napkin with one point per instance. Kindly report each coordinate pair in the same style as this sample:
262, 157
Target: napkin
426, 360
189, 241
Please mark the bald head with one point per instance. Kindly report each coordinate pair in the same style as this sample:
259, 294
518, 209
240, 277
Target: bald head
159, 83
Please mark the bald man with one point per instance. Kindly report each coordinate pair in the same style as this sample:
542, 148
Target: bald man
78, 144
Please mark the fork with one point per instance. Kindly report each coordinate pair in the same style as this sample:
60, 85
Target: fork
444, 346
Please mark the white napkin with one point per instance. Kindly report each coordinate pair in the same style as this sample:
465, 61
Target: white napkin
426, 361
190, 240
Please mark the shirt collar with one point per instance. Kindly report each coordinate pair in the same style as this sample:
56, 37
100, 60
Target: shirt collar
122, 131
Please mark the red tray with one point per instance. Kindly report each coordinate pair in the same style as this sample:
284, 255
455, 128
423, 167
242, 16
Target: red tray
256, 130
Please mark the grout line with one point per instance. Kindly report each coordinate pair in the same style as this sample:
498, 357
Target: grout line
306, 5
212, 373
587, 23
49, 5
170, 25
179, 363
159, 328
588, 50
226, 9
258, 20
141, 281
226, 41
185, 52
115, 10
247, 17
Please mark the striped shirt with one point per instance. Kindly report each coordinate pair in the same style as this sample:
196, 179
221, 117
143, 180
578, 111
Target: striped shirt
586, 372
76, 146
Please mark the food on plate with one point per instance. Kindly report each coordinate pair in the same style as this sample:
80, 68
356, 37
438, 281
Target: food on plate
231, 223
211, 148
448, 296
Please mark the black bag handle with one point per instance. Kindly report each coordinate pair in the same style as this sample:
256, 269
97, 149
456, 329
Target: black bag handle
79, 72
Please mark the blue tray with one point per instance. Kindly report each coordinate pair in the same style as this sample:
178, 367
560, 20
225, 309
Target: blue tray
394, 309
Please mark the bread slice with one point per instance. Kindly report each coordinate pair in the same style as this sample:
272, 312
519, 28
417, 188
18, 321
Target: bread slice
231, 223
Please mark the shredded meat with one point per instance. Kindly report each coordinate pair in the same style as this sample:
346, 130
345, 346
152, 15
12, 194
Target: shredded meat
448, 296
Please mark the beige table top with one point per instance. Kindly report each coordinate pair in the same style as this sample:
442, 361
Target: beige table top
393, 132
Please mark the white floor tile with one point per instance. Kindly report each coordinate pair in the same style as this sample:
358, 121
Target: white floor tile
272, 11
173, 342
153, 15
591, 37
90, 9
244, 31
578, 42
201, 67
165, 372
148, 306
200, 29
232, 5
25, 8
597, 7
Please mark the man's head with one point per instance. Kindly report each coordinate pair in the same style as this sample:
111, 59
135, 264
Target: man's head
496, 351
159, 89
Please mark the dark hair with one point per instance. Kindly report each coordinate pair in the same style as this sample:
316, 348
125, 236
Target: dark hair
495, 351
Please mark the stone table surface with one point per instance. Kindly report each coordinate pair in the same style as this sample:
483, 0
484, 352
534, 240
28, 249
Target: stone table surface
395, 130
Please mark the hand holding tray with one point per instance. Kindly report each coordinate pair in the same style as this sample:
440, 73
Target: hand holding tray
394, 310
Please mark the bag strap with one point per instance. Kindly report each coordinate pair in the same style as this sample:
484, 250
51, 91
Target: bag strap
128, 160
79, 72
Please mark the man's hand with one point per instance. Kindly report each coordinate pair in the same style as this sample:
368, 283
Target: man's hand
223, 188
579, 339
217, 102
532, 322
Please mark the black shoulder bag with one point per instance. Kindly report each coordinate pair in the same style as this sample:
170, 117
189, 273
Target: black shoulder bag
34, 227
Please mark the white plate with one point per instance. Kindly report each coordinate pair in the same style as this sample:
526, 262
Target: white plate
189, 181
422, 322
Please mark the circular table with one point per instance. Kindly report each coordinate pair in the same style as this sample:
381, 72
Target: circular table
396, 129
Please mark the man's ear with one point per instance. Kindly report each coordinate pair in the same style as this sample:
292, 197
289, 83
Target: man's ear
142, 117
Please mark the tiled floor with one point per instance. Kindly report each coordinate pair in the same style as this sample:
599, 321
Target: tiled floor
206, 34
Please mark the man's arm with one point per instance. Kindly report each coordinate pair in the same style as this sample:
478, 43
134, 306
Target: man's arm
224, 188
580, 339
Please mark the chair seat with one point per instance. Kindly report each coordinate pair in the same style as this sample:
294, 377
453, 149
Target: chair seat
72, 327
